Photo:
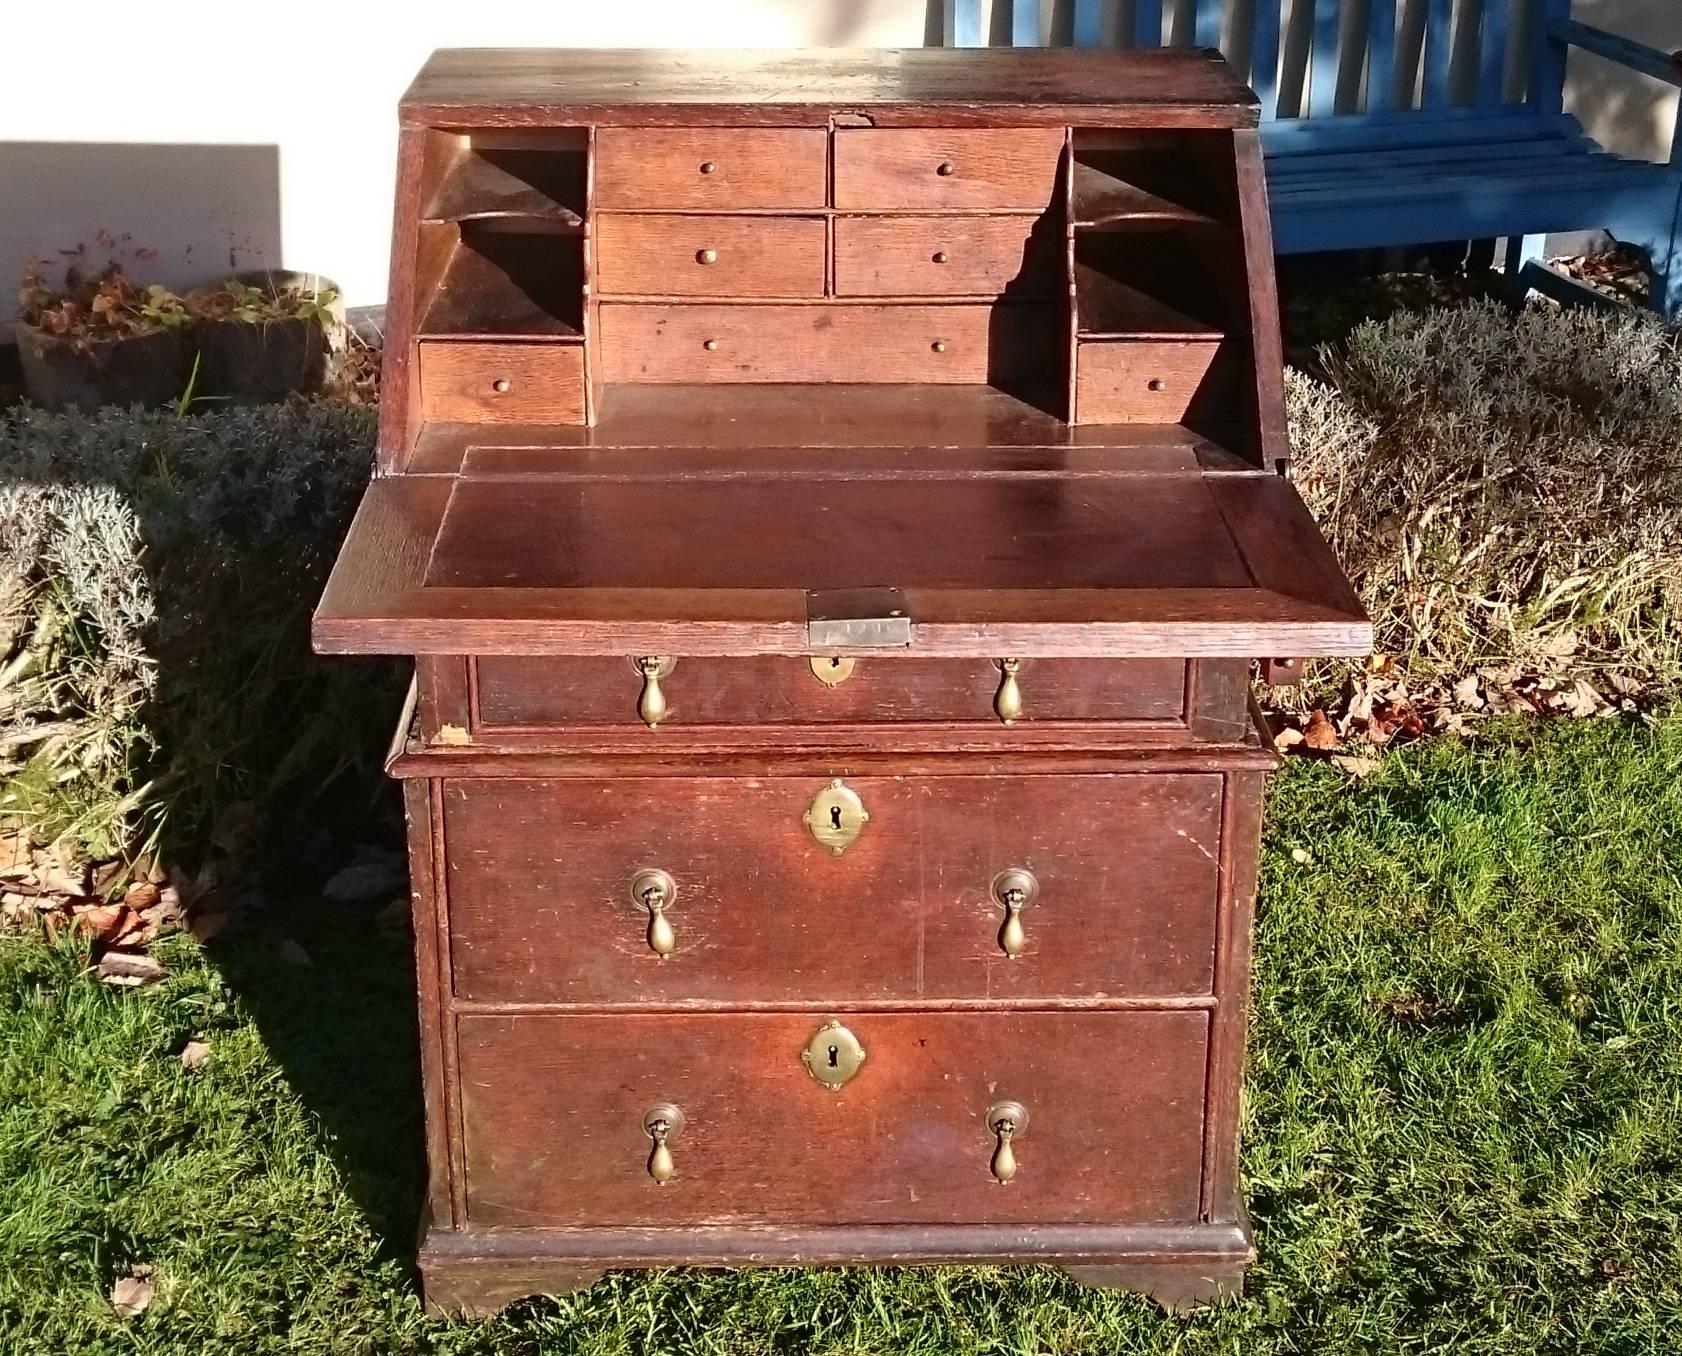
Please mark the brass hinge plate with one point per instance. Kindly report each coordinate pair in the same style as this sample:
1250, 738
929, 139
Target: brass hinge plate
856, 619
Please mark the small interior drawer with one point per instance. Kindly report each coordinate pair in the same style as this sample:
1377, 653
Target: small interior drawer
709, 256
717, 168
768, 343
501, 383
1154, 381
555, 1108
945, 256
932, 169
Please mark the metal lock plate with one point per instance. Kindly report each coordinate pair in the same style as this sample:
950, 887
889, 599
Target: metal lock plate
836, 816
833, 1055
832, 670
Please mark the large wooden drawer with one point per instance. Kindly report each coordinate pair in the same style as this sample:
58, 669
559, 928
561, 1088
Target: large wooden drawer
965, 343
521, 692
914, 169
709, 256
553, 1110
540, 886
945, 256
710, 168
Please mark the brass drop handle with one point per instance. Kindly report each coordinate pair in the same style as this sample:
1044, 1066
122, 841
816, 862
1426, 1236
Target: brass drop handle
1009, 1122
662, 1123
1014, 889
1007, 701
655, 890
651, 702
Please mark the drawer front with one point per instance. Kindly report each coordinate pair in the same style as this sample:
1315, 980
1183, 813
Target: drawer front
536, 383
943, 256
710, 256
1146, 381
553, 1109
932, 169
522, 692
721, 343
543, 908
719, 169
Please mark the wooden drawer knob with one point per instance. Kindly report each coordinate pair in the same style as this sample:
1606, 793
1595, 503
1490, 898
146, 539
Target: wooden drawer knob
939, 256
708, 166
945, 169
707, 256
939, 346
502, 386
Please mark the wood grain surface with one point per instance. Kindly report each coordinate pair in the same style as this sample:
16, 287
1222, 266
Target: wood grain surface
930, 169
502, 383
945, 255
661, 254
712, 169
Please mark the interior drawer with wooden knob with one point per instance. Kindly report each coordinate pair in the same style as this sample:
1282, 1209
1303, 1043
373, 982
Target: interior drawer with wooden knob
777, 889
1154, 381
506, 383
710, 168
687, 255
945, 256
910, 169
669, 1119
519, 693
704, 342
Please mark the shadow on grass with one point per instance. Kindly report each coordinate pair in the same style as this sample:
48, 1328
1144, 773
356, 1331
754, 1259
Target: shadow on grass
342, 1027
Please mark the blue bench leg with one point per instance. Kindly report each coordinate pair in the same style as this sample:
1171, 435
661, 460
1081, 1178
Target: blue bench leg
1660, 235
1521, 250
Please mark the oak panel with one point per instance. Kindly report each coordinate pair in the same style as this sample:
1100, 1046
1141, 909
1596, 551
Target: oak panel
944, 256
502, 383
709, 256
941, 168
711, 169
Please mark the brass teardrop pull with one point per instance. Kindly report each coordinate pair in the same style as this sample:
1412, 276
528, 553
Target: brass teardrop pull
1007, 701
1014, 889
651, 702
662, 1123
655, 890
1009, 1122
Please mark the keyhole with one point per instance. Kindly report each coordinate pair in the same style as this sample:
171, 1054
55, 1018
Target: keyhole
835, 1057
834, 663
834, 823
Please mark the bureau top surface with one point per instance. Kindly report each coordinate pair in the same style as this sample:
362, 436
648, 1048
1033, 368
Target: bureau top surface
521, 87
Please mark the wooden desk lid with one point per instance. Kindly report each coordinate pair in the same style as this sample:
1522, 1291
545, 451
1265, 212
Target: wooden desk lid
1026, 559
529, 87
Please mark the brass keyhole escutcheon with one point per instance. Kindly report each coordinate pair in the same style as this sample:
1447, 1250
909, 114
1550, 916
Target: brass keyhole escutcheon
662, 1123
655, 890
1008, 1122
1014, 889
1007, 700
836, 816
833, 1055
652, 706
833, 670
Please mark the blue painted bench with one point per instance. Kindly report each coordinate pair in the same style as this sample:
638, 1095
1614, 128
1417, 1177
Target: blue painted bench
1412, 131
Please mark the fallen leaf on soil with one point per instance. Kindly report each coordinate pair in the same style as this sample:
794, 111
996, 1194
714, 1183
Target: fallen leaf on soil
194, 1054
103, 922
131, 1295
141, 896
59, 879
16, 860
293, 954
1466, 692
1355, 766
1320, 734
1288, 738
126, 969
1301, 856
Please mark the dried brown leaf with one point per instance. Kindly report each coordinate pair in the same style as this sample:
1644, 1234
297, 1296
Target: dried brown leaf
131, 1295
103, 922
195, 1054
141, 896
1357, 766
1287, 739
1320, 734
129, 968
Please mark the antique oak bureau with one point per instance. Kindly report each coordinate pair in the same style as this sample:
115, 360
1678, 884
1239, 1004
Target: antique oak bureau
833, 500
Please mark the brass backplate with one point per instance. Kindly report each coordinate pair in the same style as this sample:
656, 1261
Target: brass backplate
832, 670
833, 1055
836, 816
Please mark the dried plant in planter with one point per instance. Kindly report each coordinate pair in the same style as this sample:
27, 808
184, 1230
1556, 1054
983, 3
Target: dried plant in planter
99, 338
264, 335
1505, 489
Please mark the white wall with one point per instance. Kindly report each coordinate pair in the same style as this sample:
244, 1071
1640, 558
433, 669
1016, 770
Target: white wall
226, 134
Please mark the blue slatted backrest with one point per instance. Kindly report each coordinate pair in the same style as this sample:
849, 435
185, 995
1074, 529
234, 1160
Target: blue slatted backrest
1377, 87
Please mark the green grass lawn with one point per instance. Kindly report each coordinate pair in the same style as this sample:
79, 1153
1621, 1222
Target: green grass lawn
1464, 1118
